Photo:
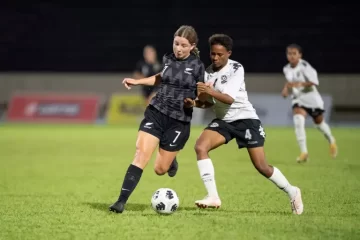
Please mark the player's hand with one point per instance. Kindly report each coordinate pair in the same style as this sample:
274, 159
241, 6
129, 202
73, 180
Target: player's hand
203, 87
128, 82
285, 92
189, 103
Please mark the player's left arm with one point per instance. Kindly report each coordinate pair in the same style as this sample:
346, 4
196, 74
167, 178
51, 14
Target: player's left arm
311, 77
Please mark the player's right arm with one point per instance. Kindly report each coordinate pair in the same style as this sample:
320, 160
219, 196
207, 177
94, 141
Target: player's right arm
287, 85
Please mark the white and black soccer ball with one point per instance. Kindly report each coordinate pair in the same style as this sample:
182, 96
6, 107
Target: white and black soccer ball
165, 201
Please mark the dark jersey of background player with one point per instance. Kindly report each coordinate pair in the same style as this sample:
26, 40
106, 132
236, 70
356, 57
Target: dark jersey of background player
166, 123
146, 67
179, 78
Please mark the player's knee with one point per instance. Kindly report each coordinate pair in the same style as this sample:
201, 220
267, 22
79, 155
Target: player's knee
141, 157
299, 120
318, 120
160, 170
201, 148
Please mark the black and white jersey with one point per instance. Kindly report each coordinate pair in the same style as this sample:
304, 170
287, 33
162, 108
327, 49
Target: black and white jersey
179, 78
230, 80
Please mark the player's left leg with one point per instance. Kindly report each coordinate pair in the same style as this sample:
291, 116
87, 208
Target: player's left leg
325, 129
164, 161
257, 156
175, 137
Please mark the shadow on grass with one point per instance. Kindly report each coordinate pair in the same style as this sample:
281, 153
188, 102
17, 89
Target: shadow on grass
138, 207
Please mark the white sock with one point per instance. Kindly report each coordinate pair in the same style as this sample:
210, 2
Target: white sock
325, 129
280, 180
299, 123
207, 173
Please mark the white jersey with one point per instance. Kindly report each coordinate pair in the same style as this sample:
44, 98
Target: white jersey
304, 96
230, 80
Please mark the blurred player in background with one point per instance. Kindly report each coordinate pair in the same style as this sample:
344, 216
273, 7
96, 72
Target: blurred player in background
166, 125
235, 118
147, 67
302, 78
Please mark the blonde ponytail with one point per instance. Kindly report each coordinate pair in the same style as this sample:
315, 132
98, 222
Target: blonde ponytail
196, 52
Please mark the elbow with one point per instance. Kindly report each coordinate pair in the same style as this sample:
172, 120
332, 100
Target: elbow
230, 101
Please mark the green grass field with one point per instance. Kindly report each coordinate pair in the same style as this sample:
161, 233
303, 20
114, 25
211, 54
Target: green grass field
56, 182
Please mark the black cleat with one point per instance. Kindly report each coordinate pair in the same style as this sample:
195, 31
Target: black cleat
117, 207
173, 168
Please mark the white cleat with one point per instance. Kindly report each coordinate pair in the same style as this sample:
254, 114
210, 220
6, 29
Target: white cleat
208, 202
297, 205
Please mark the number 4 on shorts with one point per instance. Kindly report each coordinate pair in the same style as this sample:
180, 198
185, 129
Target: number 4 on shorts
248, 134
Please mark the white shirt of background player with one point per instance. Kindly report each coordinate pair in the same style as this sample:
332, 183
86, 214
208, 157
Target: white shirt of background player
230, 80
305, 96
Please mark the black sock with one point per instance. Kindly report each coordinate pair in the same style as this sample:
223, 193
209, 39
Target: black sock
172, 163
132, 177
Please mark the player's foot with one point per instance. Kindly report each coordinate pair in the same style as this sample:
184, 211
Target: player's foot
117, 207
302, 158
208, 202
333, 150
173, 168
297, 205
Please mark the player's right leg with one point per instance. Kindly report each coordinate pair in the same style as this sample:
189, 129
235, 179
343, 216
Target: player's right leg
208, 140
299, 124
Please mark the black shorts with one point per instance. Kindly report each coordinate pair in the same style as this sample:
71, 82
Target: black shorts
248, 132
148, 90
173, 134
313, 112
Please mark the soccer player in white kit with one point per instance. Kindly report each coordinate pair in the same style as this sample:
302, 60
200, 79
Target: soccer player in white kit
306, 100
235, 118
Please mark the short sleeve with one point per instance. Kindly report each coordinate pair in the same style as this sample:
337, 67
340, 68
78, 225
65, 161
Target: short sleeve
287, 74
235, 82
310, 74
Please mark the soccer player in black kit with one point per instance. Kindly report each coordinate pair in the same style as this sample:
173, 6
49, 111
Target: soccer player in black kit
167, 119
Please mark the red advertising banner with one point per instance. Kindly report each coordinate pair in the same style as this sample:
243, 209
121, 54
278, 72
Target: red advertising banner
53, 108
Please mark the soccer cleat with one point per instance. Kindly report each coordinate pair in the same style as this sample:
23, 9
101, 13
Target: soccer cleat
117, 207
333, 150
208, 202
297, 205
302, 158
173, 168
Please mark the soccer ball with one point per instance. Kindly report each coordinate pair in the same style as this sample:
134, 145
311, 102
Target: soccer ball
165, 201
